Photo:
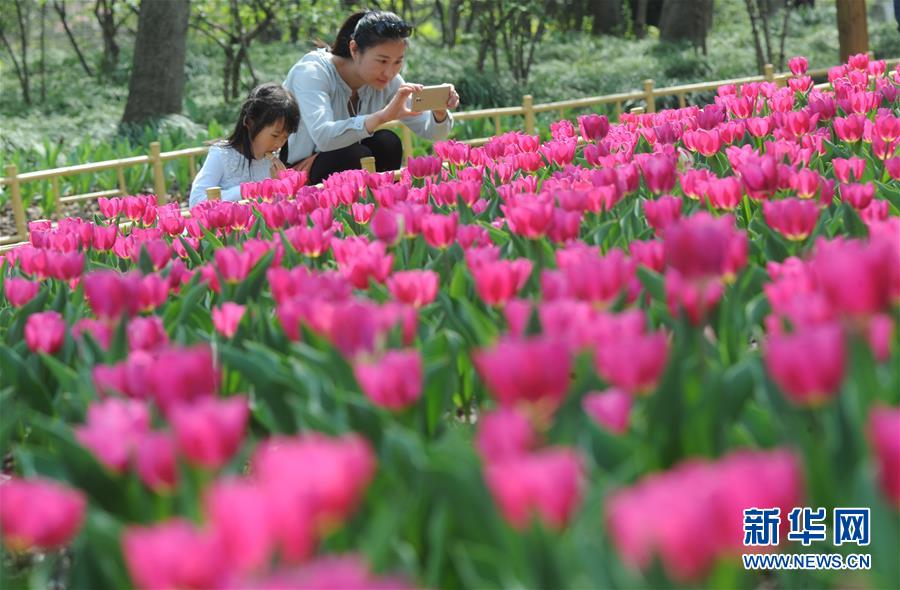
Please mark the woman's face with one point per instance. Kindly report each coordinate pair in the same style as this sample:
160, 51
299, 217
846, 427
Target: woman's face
378, 65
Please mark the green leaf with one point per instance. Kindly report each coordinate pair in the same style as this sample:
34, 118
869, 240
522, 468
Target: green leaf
24, 382
653, 282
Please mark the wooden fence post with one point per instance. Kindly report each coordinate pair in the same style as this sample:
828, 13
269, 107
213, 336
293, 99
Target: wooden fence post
367, 163
769, 72
15, 193
528, 107
406, 141
648, 96
214, 193
120, 177
159, 175
57, 196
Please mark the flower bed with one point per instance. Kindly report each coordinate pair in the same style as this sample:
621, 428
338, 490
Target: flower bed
568, 364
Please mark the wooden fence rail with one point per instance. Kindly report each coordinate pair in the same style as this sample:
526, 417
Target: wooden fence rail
528, 109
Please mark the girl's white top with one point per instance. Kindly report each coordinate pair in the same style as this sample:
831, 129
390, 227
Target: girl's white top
325, 120
227, 168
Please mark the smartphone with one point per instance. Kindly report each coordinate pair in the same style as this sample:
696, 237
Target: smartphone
431, 98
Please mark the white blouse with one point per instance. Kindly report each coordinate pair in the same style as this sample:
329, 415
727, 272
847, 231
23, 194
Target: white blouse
325, 120
227, 168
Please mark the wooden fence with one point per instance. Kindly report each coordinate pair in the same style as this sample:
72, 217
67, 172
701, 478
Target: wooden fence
527, 110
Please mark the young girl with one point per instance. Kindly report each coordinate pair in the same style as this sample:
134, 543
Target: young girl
268, 116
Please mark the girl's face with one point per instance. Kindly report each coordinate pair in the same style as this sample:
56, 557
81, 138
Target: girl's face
378, 65
269, 139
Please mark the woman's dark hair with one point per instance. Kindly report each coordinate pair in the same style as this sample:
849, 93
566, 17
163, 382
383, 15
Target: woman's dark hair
369, 28
266, 105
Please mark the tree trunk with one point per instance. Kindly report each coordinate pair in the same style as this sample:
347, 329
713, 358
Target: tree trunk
685, 20
106, 17
607, 16
43, 63
853, 31
60, 8
23, 41
156, 87
640, 18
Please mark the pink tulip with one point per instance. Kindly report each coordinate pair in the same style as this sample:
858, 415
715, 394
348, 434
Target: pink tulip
45, 332
701, 246
331, 571
858, 279
649, 254
20, 291
209, 431
858, 195
182, 375
174, 554
662, 212
759, 126
593, 127
795, 219
232, 264
424, 166
695, 297
39, 514
559, 152
659, 173
504, 433
111, 294
892, 165
370, 262
439, 230
706, 142
414, 287
227, 317
535, 372
724, 194
847, 169
610, 409
850, 128
239, 516
147, 333
808, 365
309, 241
599, 279
100, 331
114, 429
110, 208
65, 265
760, 175
394, 381
798, 65
362, 212
335, 474
634, 363
528, 216
547, 484
104, 237
884, 437
155, 461
663, 513
385, 225
499, 281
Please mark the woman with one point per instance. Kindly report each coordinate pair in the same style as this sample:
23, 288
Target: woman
346, 93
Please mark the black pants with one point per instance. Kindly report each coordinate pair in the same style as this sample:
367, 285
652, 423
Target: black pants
384, 146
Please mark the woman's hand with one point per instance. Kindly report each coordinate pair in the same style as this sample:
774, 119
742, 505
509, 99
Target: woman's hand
441, 115
396, 109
